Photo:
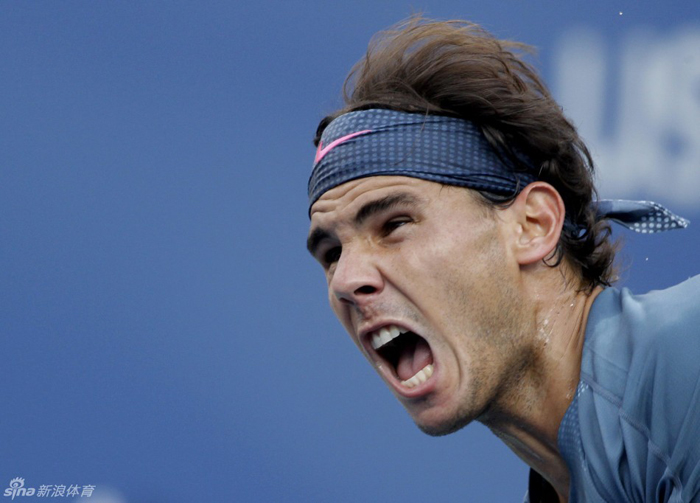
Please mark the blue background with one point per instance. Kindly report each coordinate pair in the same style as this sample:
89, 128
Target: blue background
164, 334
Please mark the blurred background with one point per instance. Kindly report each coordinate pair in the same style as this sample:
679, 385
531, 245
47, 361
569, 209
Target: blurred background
164, 335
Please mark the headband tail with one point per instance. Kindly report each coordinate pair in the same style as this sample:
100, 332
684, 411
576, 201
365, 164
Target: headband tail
645, 217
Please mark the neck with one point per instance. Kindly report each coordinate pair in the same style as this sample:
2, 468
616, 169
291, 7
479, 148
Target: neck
528, 413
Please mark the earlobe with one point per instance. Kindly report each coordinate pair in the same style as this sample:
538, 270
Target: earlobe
540, 212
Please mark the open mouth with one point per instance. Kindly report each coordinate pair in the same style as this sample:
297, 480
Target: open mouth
407, 353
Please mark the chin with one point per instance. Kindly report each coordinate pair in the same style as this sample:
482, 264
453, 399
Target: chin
439, 427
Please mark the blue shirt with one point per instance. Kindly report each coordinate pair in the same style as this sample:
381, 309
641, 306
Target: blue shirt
632, 431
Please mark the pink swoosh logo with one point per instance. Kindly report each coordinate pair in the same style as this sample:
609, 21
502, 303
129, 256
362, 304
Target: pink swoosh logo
321, 151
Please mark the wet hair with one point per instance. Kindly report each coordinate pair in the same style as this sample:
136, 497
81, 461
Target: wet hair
458, 69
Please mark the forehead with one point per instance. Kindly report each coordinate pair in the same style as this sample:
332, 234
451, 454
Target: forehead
353, 194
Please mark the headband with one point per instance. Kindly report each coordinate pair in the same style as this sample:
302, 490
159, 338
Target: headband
446, 150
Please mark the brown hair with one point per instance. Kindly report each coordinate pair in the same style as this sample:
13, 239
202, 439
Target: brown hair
457, 69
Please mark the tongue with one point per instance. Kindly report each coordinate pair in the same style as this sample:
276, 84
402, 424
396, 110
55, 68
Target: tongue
413, 358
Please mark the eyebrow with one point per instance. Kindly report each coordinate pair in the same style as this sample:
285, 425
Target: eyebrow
385, 203
365, 212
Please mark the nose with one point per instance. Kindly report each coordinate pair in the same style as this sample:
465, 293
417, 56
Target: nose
356, 277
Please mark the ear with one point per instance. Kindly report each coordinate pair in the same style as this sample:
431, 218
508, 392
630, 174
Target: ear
539, 214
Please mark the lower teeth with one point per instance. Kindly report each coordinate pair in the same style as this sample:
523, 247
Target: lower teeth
420, 377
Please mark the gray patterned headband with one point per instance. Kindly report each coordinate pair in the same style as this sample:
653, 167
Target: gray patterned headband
445, 150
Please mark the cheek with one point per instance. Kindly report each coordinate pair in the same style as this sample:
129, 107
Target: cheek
463, 274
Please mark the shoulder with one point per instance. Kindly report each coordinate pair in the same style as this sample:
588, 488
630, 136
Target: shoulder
674, 311
628, 332
639, 344
640, 361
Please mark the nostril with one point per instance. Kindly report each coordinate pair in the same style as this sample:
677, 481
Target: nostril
356, 296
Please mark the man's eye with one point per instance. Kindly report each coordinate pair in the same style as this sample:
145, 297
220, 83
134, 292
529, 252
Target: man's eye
394, 224
332, 255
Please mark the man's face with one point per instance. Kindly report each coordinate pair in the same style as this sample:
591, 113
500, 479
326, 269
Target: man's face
421, 277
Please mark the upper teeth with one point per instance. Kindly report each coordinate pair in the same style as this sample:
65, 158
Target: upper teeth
386, 334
